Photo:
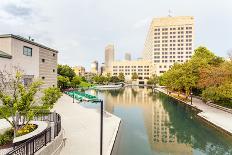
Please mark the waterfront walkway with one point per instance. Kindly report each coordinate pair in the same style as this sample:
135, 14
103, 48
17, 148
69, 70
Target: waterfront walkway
82, 128
213, 115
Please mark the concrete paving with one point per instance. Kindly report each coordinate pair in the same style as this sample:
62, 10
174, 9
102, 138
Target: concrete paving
213, 115
82, 128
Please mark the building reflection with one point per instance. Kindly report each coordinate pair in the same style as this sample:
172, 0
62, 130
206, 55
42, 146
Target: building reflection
156, 120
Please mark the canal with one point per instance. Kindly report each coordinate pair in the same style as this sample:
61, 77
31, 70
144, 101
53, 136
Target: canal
155, 124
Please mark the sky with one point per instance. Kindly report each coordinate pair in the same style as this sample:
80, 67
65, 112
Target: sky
80, 29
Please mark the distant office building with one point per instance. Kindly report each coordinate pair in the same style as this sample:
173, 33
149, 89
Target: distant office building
109, 56
169, 40
102, 69
128, 56
34, 59
144, 69
94, 67
79, 70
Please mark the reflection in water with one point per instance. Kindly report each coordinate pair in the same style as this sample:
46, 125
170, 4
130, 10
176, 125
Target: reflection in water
156, 124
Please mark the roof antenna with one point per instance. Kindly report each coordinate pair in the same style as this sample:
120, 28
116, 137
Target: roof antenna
169, 13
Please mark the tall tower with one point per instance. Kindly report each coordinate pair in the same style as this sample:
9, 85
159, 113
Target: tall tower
109, 56
169, 40
94, 67
128, 56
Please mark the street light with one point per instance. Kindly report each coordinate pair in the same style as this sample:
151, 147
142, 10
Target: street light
101, 119
191, 98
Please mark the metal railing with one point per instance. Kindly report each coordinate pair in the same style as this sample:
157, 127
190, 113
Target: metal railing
32, 145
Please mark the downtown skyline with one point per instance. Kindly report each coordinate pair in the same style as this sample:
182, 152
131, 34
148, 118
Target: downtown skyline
80, 30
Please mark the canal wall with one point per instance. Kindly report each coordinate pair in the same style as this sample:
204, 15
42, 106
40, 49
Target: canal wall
216, 118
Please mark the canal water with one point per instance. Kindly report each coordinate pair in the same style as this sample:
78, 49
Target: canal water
155, 124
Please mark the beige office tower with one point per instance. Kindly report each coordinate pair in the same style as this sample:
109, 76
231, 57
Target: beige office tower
169, 40
109, 57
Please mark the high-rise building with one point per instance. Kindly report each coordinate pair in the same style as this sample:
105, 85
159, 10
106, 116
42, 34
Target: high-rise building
169, 40
79, 70
94, 67
128, 56
109, 56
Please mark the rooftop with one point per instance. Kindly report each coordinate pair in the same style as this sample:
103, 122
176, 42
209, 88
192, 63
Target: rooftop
27, 41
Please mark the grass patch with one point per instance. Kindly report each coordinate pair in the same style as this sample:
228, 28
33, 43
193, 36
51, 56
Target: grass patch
85, 84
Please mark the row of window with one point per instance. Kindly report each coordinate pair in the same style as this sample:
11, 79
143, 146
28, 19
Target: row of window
174, 28
166, 53
158, 57
172, 49
131, 66
180, 32
165, 61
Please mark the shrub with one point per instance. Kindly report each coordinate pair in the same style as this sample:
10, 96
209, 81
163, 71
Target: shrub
26, 129
7, 137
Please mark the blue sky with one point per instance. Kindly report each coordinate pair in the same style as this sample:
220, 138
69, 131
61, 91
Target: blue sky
80, 29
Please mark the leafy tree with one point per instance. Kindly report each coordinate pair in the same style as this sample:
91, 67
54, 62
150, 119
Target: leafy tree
134, 76
66, 71
153, 80
114, 79
121, 77
51, 95
76, 81
18, 99
63, 82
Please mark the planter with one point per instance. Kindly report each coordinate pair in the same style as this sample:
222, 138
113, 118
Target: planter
41, 126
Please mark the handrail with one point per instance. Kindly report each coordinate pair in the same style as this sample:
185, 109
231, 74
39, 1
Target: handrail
32, 145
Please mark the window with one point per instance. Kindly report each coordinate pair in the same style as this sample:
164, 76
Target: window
43, 60
54, 70
43, 77
27, 51
54, 54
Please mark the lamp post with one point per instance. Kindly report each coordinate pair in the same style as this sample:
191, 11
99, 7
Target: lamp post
101, 127
191, 98
73, 96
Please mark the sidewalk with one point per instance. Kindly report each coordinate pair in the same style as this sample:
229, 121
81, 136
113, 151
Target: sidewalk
213, 115
82, 128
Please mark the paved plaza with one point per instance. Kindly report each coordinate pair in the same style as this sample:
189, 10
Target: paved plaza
82, 128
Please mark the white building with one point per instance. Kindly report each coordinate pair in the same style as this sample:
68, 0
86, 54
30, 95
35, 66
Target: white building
169, 40
34, 59
144, 69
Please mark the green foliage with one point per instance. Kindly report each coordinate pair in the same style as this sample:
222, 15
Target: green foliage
51, 95
134, 76
153, 80
6, 137
76, 81
204, 72
114, 79
63, 82
121, 77
66, 71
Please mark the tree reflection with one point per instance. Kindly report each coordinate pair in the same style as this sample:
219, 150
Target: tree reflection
185, 125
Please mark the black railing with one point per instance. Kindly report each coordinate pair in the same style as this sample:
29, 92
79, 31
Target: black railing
35, 143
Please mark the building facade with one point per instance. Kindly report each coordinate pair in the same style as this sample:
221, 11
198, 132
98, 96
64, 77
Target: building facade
79, 70
144, 69
169, 40
109, 57
35, 60
94, 67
